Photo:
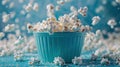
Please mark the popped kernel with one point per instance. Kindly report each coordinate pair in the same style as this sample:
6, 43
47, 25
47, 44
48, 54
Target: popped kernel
95, 20
19, 41
2, 35
9, 28
5, 17
59, 61
28, 7
83, 11
77, 60
36, 7
112, 23
29, 27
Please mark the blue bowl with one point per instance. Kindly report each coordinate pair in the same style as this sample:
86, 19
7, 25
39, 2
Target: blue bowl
63, 44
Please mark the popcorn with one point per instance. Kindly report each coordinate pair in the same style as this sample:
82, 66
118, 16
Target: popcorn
112, 23
19, 41
18, 56
9, 28
77, 60
36, 7
50, 10
29, 27
105, 61
57, 8
34, 61
2, 35
118, 1
95, 20
28, 7
58, 61
83, 11
5, 17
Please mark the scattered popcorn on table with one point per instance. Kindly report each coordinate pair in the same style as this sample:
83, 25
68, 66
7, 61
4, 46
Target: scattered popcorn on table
9, 28
29, 27
112, 23
50, 10
59, 61
95, 20
77, 60
11, 5
57, 8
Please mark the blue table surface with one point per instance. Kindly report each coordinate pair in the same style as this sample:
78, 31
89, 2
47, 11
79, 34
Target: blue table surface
8, 61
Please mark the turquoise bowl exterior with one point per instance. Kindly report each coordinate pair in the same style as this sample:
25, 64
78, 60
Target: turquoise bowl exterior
63, 44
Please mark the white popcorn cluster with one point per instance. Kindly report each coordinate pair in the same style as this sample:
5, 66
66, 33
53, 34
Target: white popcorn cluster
9, 28
95, 20
105, 61
30, 6
112, 23
2, 34
59, 61
77, 60
64, 23
34, 61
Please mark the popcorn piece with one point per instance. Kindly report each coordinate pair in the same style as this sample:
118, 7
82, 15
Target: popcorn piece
105, 61
77, 60
95, 20
19, 41
5, 18
57, 8
36, 7
28, 7
112, 23
58, 61
34, 61
9, 28
2, 35
83, 11
50, 10
29, 27
60, 2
